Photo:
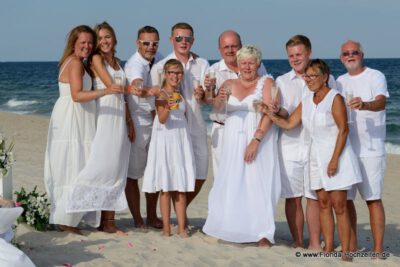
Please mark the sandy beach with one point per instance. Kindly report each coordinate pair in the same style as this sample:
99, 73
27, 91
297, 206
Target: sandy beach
148, 248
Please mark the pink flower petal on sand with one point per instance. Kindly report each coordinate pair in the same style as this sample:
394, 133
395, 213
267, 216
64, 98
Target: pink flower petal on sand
130, 244
18, 204
102, 247
67, 264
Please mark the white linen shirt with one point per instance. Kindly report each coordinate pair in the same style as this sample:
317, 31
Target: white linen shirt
137, 67
194, 69
368, 132
294, 143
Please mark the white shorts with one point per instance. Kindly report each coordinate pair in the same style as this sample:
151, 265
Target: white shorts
373, 172
139, 149
200, 150
294, 182
216, 145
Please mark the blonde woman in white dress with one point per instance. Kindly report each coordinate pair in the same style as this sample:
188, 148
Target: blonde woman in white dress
71, 129
170, 163
100, 185
332, 165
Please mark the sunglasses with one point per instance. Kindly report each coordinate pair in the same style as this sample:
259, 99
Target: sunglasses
179, 38
311, 76
351, 53
177, 73
148, 43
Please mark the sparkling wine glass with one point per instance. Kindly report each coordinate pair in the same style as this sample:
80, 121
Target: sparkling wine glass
257, 106
274, 92
349, 97
196, 83
160, 74
228, 92
211, 75
139, 85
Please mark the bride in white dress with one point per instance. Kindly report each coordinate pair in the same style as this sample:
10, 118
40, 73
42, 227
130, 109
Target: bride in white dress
71, 129
246, 190
100, 185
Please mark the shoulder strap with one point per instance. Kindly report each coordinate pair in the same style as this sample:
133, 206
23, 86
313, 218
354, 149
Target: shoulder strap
63, 68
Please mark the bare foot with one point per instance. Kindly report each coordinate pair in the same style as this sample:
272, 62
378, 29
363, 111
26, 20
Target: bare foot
155, 223
346, 258
69, 229
183, 234
297, 245
140, 226
264, 243
166, 234
109, 227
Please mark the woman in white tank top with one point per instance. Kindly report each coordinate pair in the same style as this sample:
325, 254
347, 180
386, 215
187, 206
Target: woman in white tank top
332, 164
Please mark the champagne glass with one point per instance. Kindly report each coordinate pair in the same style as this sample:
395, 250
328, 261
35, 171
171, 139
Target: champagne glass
118, 79
160, 74
211, 75
257, 106
139, 85
228, 92
274, 92
349, 97
196, 83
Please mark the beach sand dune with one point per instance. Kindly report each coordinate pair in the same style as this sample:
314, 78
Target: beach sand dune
148, 248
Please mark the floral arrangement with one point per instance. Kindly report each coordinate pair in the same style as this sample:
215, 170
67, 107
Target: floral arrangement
6, 156
36, 209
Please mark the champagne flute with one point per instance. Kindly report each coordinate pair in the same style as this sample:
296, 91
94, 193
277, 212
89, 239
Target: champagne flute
257, 106
196, 83
211, 75
139, 85
228, 92
349, 97
160, 74
118, 79
274, 92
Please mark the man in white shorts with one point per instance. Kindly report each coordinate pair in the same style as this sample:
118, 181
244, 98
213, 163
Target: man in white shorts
367, 133
229, 42
182, 39
137, 69
293, 148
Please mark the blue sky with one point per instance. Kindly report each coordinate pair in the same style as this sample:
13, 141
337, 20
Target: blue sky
35, 30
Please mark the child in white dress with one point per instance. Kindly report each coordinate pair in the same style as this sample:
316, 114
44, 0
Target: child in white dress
170, 163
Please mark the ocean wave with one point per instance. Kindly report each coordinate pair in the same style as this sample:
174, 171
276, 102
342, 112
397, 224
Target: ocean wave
12, 103
392, 148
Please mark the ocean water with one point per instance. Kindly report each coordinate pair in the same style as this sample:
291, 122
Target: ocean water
31, 88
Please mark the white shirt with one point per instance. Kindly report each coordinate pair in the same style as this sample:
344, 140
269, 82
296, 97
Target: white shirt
194, 69
223, 73
294, 143
367, 134
137, 67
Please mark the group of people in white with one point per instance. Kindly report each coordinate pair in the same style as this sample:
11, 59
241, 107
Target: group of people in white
293, 137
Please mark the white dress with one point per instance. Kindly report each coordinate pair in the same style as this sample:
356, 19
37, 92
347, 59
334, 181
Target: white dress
242, 201
101, 184
170, 162
71, 130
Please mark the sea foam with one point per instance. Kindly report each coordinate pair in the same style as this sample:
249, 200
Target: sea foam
12, 103
392, 148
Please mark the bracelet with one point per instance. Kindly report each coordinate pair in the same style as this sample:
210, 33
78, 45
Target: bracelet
257, 139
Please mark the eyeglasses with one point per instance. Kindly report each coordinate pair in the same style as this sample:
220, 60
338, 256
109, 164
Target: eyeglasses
230, 47
311, 76
351, 53
177, 73
179, 38
148, 43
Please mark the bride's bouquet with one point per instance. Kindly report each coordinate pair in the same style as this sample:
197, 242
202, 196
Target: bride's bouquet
36, 209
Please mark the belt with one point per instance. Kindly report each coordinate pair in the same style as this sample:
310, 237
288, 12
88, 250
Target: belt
220, 123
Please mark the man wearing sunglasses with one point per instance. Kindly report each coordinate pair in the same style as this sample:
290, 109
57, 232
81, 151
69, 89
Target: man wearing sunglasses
293, 147
182, 38
229, 42
141, 106
367, 133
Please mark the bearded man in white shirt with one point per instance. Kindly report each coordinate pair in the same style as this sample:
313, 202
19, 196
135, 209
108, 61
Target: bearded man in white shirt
368, 89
